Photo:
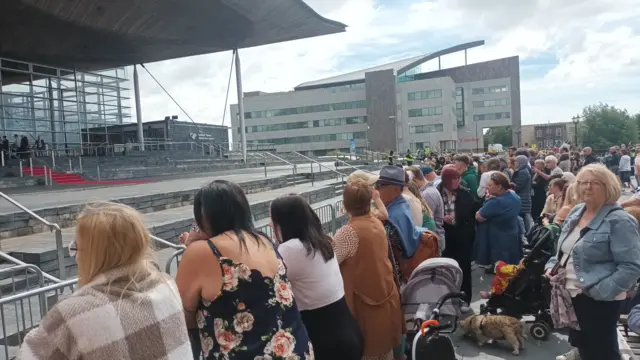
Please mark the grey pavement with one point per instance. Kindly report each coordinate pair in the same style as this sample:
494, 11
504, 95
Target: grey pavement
534, 350
42, 200
500, 350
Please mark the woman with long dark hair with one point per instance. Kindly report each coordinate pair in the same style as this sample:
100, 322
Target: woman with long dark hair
234, 285
315, 277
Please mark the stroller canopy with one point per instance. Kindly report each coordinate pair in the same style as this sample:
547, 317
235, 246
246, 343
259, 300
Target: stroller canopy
429, 281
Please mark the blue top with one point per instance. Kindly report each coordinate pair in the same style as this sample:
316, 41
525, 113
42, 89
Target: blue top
254, 316
409, 234
500, 236
607, 258
522, 180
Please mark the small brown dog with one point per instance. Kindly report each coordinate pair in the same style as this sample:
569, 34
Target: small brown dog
486, 328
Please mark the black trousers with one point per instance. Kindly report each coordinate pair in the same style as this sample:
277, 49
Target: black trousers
334, 332
460, 249
597, 338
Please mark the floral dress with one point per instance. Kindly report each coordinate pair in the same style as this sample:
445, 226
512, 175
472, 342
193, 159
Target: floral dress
253, 316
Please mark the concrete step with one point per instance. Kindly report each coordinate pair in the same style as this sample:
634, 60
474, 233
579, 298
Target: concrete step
39, 249
15, 224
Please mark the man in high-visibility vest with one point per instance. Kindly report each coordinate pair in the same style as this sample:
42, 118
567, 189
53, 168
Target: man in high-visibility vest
409, 158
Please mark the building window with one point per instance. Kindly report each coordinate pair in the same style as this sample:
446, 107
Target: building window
305, 124
421, 129
346, 88
491, 103
424, 95
539, 133
430, 111
460, 120
359, 104
310, 138
490, 90
558, 132
494, 116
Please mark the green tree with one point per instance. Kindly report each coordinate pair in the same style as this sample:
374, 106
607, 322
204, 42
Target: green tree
605, 125
498, 135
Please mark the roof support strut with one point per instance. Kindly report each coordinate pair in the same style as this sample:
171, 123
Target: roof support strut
243, 134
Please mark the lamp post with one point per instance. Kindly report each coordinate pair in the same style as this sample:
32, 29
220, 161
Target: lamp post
477, 138
575, 120
408, 145
392, 119
367, 136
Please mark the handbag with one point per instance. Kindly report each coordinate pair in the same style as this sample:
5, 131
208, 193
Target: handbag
427, 249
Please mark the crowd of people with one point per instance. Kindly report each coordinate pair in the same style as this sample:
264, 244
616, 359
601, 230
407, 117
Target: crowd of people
301, 294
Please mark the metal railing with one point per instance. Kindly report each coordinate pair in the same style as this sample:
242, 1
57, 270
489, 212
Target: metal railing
354, 167
294, 167
22, 311
340, 175
55, 228
331, 216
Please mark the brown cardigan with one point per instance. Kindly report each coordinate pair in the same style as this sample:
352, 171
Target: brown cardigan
370, 290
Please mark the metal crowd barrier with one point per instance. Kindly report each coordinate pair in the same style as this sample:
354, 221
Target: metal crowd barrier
331, 217
23, 303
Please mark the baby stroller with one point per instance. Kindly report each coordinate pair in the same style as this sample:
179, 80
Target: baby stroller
529, 292
433, 283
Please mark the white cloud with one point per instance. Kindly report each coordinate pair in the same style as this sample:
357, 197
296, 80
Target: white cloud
596, 44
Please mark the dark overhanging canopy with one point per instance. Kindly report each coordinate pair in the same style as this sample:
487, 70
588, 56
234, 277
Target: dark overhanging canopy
100, 34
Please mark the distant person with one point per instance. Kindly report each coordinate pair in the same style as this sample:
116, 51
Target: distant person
5, 145
390, 157
409, 158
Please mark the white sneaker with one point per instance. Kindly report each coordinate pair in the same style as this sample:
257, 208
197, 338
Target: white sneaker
573, 354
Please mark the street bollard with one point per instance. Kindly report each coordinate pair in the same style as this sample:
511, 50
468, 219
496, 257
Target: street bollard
80, 163
30, 166
2, 158
53, 159
98, 166
312, 176
265, 168
70, 166
50, 177
46, 177
21, 174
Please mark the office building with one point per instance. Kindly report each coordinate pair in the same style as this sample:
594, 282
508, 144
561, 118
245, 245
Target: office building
394, 106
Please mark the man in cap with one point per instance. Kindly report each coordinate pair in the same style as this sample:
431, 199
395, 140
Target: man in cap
391, 182
403, 235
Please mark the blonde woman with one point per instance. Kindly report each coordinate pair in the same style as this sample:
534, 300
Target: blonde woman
124, 307
597, 262
427, 215
571, 199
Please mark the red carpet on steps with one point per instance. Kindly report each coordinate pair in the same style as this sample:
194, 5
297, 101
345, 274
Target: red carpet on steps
75, 179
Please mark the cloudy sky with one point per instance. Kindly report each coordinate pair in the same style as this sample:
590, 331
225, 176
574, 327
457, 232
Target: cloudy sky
572, 53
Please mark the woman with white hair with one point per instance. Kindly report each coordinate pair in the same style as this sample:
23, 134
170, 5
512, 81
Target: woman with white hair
553, 171
597, 262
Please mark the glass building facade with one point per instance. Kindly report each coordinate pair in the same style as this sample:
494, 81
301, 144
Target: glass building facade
63, 107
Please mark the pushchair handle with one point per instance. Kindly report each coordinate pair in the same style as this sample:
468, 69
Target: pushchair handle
433, 325
449, 296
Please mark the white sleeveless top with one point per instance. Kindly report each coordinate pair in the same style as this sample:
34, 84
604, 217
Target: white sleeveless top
315, 283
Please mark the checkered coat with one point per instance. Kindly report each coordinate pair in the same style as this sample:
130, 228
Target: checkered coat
113, 318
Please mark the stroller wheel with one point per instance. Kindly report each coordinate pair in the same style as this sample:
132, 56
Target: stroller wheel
540, 331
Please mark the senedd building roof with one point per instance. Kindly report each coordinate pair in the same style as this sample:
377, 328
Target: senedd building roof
398, 67
100, 34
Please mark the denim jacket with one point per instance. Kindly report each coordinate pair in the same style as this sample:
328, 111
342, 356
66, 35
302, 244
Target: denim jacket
607, 258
